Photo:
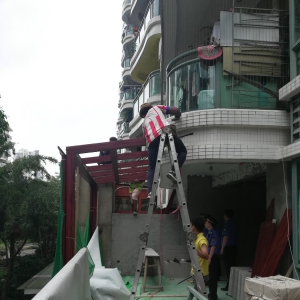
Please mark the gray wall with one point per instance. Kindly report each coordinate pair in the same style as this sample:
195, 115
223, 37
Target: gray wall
119, 233
105, 201
247, 199
126, 243
276, 189
83, 208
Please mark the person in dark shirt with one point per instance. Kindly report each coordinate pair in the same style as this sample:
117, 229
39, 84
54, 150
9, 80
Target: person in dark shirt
214, 245
106, 152
228, 244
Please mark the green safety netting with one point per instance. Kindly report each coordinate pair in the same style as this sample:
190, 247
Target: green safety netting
58, 260
82, 241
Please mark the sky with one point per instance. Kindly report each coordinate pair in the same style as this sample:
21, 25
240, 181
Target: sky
60, 68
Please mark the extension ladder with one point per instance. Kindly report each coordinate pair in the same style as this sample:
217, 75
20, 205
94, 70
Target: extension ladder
190, 236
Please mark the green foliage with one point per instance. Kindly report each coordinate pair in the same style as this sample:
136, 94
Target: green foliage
28, 209
4, 127
25, 268
5, 144
26, 199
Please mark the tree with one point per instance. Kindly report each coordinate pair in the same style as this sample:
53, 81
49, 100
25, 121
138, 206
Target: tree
28, 206
5, 143
4, 127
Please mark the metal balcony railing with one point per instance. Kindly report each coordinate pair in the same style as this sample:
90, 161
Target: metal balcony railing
196, 84
131, 94
126, 62
151, 12
129, 30
151, 87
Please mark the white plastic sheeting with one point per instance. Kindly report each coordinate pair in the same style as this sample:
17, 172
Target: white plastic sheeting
274, 287
107, 284
94, 249
71, 282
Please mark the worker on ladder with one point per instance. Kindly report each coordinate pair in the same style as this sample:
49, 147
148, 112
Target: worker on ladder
154, 123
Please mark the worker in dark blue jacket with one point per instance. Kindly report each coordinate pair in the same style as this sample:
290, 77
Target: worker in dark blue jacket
214, 245
228, 244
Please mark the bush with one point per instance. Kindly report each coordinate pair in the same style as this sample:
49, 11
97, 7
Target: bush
25, 268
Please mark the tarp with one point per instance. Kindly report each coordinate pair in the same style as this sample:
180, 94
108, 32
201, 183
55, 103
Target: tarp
273, 287
94, 250
107, 284
71, 282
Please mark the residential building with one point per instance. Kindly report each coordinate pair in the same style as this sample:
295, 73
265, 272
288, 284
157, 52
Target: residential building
223, 64
231, 66
290, 94
25, 152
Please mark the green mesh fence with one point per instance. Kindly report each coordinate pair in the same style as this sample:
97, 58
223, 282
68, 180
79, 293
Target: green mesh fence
82, 241
58, 260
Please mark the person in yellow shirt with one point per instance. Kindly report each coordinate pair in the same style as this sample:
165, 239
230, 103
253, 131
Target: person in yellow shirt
201, 244
135, 189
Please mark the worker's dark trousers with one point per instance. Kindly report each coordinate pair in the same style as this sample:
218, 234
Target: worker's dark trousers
213, 277
229, 260
152, 157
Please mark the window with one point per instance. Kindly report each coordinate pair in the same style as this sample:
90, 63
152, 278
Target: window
123, 204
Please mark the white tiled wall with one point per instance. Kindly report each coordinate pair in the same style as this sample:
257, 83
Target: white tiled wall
229, 117
227, 135
289, 90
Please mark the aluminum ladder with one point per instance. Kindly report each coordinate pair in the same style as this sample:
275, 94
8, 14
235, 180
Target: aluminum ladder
190, 236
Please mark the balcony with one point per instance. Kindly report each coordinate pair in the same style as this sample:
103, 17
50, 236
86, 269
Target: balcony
126, 8
127, 80
123, 131
128, 98
150, 93
138, 8
198, 84
128, 38
120, 99
145, 58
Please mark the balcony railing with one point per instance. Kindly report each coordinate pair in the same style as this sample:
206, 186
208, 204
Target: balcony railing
128, 95
196, 84
126, 62
151, 12
126, 128
131, 94
151, 87
129, 30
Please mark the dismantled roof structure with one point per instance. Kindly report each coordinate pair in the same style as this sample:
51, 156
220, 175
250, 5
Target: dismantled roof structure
124, 162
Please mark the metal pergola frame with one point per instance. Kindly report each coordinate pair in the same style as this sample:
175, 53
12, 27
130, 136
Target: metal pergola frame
111, 169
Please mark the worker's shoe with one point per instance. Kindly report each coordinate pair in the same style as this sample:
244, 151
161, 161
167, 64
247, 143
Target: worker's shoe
172, 176
149, 196
135, 213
